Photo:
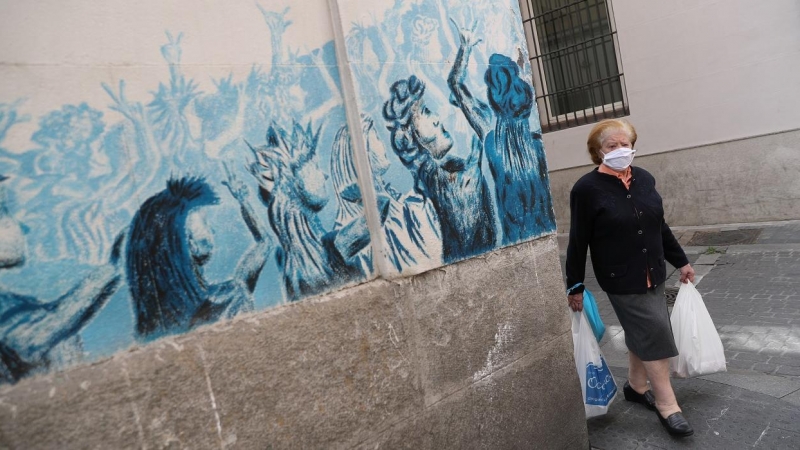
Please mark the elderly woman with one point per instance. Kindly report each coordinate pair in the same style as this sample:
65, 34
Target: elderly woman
617, 212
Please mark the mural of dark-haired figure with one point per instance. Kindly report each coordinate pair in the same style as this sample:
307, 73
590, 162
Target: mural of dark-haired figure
32, 331
455, 185
168, 246
292, 187
515, 155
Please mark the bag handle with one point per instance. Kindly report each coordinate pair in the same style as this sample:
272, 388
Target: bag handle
573, 287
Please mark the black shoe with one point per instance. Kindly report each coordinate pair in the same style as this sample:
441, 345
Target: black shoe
676, 424
647, 399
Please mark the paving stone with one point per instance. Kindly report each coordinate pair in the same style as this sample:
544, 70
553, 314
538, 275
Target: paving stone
789, 233
685, 237
737, 364
788, 370
754, 357
793, 398
771, 385
795, 362
707, 259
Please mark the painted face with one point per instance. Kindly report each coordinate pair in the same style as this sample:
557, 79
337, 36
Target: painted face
12, 243
615, 140
313, 184
370, 58
377, 152
12, 239
266, 178
429, 131
201, 239
263, 169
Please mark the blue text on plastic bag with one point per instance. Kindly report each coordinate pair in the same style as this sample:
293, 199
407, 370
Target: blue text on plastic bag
600, 386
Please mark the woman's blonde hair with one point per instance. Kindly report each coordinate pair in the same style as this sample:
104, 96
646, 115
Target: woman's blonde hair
601, 131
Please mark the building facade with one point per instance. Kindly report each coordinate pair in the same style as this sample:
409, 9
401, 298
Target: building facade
277, 224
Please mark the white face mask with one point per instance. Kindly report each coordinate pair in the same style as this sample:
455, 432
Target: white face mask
619, 159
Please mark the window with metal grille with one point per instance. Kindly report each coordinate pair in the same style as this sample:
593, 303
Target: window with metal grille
576, 66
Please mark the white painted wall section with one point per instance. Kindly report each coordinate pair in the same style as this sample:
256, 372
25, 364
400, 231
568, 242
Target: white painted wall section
700, 72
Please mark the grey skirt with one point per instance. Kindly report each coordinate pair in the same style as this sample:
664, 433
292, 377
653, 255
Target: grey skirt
645, 320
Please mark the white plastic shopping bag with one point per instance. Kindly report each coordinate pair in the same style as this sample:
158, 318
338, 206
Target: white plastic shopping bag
699, 347
597, 383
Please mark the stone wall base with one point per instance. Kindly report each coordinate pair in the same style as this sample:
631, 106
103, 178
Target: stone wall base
473, 355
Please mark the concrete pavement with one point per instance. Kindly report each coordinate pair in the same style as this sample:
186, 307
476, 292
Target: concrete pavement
752, 291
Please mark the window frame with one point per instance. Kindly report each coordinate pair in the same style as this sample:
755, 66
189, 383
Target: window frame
544, 98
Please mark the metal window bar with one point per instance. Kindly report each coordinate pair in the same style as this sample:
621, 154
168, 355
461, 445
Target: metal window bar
577, 71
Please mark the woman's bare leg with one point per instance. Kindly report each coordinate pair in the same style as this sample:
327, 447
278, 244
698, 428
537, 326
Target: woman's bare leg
637, 375
658, 373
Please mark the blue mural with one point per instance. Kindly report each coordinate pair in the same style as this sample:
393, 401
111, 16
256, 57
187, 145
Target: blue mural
452, 184
411, 232
169, 244
124, 222
291, 186
35, 333
471, 150
149, 208
516, 155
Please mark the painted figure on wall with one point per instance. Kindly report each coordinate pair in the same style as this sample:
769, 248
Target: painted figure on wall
349, 201
171, 104
515, 155
102, 164
411, 230
12, 240
410, 227
9, 117
80, 178
69, 158
440, 146
292, 187
33, 332
456, 186
168, 246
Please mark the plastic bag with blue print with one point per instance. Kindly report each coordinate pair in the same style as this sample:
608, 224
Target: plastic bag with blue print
597, 384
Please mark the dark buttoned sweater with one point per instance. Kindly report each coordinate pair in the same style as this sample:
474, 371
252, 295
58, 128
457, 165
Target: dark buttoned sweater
625, 231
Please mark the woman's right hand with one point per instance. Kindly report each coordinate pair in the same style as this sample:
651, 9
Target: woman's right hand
575, 301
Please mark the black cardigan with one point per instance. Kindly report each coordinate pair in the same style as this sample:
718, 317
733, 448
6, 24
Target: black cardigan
625, 230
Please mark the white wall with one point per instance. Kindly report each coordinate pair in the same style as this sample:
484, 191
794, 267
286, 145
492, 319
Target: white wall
700, 72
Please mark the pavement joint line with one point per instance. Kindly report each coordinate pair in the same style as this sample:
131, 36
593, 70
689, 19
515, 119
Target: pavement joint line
763, 248
790, 393
776, 223
729, 226
766, 384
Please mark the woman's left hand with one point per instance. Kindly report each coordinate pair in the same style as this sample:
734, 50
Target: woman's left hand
687, 274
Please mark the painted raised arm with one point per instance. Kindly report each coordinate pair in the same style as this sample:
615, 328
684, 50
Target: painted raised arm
335, 99
146, 154
240, 192
9, 117
476, 112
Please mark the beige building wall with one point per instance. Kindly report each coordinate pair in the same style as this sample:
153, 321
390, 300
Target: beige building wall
717, 79
700, 73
